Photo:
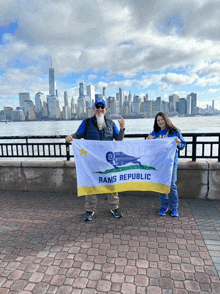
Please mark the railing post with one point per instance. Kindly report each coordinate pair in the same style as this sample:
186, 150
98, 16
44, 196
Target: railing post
67, 151
27, 150
194, 147
23, 148
218, 148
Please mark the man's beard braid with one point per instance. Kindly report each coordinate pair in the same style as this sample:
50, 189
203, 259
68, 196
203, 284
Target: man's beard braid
100, 119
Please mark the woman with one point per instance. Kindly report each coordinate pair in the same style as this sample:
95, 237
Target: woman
164, 128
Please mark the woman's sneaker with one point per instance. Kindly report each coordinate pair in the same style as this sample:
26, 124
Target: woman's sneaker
117, 213
174, 212
163, 211
88, 216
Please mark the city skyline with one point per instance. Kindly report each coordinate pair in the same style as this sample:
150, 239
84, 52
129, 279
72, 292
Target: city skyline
130, 106
155, 47
89, 95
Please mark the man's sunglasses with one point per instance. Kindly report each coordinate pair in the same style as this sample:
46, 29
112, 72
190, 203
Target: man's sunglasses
100, 106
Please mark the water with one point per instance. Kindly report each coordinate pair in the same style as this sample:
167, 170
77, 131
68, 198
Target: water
198, 124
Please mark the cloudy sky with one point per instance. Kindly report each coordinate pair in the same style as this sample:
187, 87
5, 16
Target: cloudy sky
157, 47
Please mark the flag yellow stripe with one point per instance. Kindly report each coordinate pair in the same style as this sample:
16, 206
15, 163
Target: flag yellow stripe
137, 186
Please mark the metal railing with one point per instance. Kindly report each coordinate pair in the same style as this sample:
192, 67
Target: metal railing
198, 146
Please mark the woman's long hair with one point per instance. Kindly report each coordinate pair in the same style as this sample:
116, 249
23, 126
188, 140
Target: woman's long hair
168, 123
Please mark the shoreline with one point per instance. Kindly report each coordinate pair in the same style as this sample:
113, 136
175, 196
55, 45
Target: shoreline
112, 117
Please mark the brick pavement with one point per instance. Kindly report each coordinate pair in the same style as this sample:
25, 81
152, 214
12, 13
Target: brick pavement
46, 247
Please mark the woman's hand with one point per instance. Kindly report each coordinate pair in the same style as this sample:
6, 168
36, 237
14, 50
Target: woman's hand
150, 137
69, 138
178, 141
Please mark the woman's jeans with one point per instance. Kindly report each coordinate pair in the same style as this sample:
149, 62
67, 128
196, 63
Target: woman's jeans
172, 199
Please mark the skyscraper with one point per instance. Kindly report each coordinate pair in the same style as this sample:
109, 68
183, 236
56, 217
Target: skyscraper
136, 104
188, 104
72, 106
82, 89
104, 92
17, 115
193, 103
81, 107
159, 104
52, 91
22, 98
39, 98
172, 102
29, 110
146, 97
53, 107
66, 103
66, 112
126, 107
182, 106
121, 99
52, 99
165, 106
7, 112
113, 105
148, 107
66, 108
90, 97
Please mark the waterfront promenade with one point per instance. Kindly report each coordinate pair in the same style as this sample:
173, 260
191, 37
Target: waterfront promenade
46, 247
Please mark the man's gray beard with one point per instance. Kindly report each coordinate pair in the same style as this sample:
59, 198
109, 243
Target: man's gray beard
100, 119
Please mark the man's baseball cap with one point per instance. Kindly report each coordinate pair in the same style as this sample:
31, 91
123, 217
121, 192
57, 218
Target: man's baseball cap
100, 101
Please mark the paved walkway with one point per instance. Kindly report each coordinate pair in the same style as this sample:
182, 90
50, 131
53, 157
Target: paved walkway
46, 247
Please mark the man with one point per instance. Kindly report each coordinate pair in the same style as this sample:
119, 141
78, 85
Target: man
98, 127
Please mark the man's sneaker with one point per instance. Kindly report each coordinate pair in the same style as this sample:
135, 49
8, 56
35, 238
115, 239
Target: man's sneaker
88, 216
174, 212
163, 211
117, 213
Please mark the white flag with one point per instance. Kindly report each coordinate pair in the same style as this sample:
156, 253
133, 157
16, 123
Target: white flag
118, 166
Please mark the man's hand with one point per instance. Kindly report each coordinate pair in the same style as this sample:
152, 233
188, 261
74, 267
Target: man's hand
121, 123
69, 138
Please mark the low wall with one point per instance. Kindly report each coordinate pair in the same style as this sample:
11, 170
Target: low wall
195, 179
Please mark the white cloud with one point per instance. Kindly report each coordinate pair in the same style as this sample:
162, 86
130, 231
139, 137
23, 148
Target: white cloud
204, 81
115, 85
73, 92
177, 79
92, 77
9, 11
97, 34
213, 90
153, 43
167, 82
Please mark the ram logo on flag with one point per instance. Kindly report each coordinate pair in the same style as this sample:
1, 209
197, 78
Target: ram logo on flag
118, 166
